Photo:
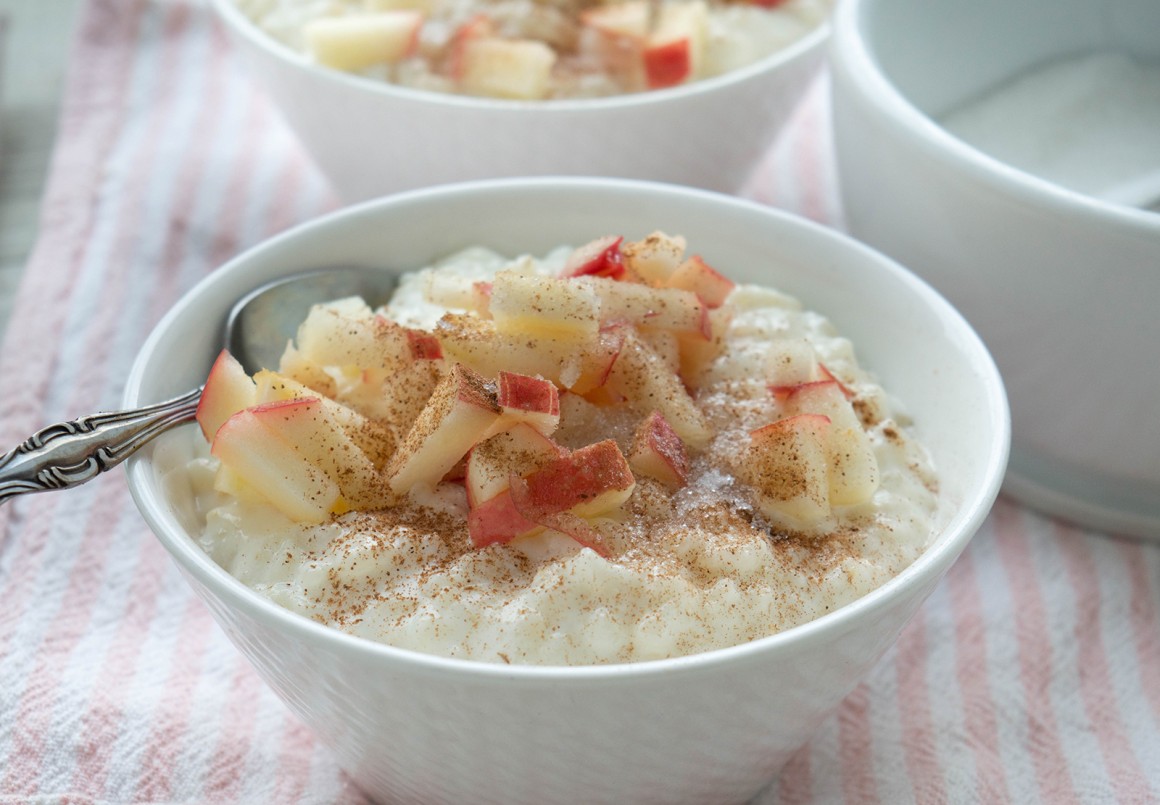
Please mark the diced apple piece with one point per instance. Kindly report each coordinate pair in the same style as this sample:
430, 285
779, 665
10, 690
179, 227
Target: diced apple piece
628, 19
523, 302
599, 258
564, 522
331, 337
663, 308
296, 366
531, 400
394, 399
667, 62
373, 439
587, 482
423, 346
710, 286
497, 520
228, 389
490, 462
658, 452
274, 468
457, 293
697, 352
355, 42
853, 465
655, 258
675, 50
461, 409
786, 464
650, 385
826, 374
572, 363
790, 362
517, 69
305, 423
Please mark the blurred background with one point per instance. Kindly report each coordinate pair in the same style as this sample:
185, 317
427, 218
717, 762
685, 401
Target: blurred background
34, 42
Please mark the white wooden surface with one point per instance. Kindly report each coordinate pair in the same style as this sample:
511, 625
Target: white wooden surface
36, 39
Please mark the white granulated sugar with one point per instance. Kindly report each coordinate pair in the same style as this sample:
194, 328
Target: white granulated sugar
1090, 124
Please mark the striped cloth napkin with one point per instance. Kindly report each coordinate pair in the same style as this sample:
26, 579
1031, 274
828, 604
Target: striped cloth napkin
1031, 675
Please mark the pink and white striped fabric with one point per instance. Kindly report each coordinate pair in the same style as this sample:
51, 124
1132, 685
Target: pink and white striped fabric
1032, 675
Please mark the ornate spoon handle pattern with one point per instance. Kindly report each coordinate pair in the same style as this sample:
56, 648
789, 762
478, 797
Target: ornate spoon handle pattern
69, 453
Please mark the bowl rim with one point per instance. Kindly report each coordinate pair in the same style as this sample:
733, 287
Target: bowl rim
926, 568
853, 59
242, 25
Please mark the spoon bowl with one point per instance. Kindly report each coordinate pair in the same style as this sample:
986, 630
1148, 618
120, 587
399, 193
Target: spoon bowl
256, 330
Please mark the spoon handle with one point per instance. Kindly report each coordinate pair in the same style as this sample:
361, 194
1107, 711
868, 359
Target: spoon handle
67, 454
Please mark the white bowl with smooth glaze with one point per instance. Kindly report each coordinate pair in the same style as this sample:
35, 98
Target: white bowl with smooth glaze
1060, 285
713, 727
371, 138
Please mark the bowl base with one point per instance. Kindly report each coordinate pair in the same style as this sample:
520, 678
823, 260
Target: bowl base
1088, 499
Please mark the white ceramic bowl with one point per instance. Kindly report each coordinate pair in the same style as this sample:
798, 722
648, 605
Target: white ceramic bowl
371, 138
713, 727
1061, 286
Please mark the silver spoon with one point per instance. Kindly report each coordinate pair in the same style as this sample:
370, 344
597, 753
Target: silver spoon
259, 324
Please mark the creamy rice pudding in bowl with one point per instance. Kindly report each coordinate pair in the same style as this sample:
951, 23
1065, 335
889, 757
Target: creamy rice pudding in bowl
390, 96
643, 567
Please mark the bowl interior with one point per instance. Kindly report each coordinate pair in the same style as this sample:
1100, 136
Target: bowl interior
939, 55
922, 351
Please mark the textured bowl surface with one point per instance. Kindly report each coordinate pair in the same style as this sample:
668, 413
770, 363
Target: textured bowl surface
1060, 285
372, 138
714, 727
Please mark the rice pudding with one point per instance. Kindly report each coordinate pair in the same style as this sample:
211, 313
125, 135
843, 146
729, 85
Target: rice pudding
536, 49
607, 454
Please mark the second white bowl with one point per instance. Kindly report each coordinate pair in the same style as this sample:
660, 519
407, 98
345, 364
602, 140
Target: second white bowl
371, 138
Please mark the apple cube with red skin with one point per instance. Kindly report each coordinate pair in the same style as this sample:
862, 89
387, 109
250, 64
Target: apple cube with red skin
253, 450
306, 423
598, 258
490, 463
228, 389
526, 399
658, 452
492, 516
667, 62
710, 286
355, 42
786, 463
853, 465
675, 50
372, 438
517, 69
587, 482
461, 410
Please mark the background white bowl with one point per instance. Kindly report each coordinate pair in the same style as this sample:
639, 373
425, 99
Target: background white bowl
1061, 286
372, 138
708, 728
